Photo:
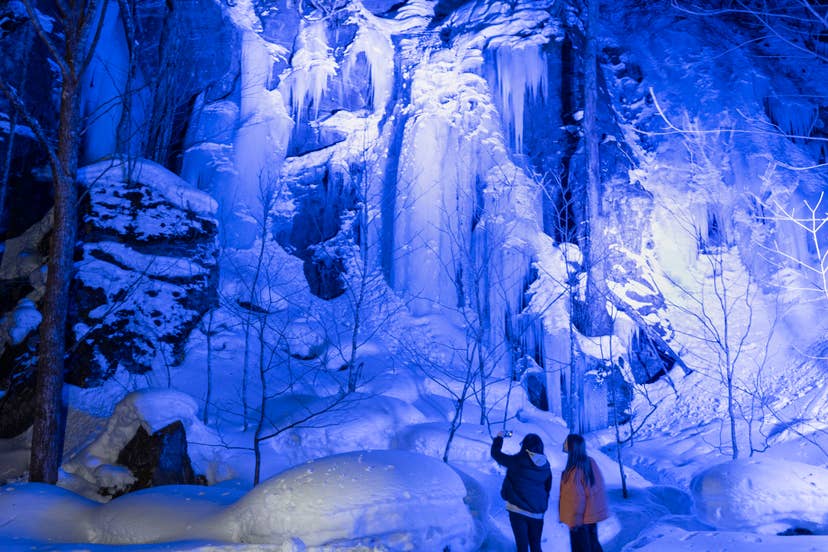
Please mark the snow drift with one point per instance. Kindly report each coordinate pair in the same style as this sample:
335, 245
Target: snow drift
396, 499
747, 494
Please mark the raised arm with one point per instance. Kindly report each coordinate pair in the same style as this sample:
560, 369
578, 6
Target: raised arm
504, 460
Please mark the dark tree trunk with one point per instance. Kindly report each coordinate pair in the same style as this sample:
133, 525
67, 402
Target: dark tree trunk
78, 21
47, 436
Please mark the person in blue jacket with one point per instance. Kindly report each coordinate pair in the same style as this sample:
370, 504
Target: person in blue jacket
525, 489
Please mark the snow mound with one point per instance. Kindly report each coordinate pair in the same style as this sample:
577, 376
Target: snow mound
675, 539
766, 494
44, 512
394, 500
162, 514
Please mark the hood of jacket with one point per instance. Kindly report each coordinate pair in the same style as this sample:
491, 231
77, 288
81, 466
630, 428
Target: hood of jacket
537, 458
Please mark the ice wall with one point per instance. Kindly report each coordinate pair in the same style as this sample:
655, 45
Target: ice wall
438, 186
262, 138
376, 46
465, 216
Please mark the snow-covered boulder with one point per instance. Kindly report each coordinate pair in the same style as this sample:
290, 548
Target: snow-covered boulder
392, 500
147, 271
766, 494
97, 466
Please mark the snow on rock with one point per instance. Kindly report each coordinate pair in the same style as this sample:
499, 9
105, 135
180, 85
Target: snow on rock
108, 177
148, 269
766, 494
391, 500
151, 409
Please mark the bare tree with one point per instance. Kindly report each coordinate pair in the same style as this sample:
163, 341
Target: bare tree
14, 116
723, 311
80, 23
813, 225
370, 306
797, 23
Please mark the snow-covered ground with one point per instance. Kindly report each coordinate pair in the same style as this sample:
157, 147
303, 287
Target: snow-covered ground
401, 497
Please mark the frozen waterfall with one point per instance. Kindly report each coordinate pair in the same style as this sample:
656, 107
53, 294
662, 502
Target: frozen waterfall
520, 70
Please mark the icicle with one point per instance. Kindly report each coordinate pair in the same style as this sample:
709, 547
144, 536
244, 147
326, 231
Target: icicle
794, 115
312, 65
521, 70
379, 53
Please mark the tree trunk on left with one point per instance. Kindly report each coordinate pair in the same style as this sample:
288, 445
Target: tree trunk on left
49, 424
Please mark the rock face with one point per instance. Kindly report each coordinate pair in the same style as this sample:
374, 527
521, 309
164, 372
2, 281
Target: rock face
158, 459
147, 271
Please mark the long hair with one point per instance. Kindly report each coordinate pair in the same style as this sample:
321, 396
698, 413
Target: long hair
577, 458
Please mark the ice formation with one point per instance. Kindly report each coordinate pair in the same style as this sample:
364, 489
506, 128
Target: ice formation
376, 46
521, 71
312, 66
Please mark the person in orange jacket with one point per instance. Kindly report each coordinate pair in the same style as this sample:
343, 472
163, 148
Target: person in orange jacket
583, 499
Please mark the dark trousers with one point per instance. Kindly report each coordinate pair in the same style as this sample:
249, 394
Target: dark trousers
585, 538
527, 532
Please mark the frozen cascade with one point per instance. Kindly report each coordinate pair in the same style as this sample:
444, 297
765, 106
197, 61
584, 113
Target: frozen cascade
521, 69
379, 53
437, 177
466, 215
312, 66
261, 142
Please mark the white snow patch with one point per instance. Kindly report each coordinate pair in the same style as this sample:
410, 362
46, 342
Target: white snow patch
765, 494
393, 499
112, 173
25, 318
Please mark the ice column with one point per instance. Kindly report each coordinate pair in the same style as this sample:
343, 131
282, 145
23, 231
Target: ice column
520, 70
312, 66
379, 53
103, 90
